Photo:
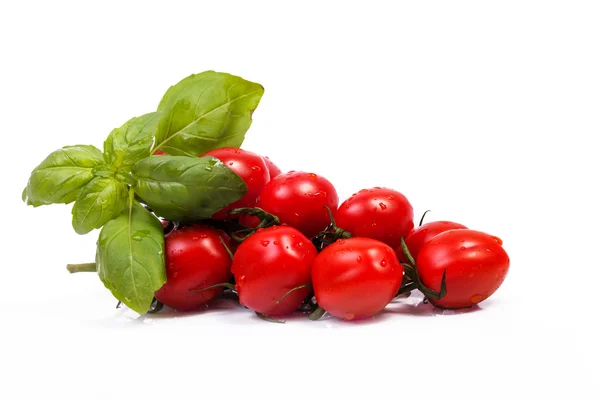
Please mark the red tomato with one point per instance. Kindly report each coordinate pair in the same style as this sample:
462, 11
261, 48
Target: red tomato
378, 213
299, 200
248, 166
356, 278
475, 264
417, 238
160, 153
196, 258
270, 263
273, 169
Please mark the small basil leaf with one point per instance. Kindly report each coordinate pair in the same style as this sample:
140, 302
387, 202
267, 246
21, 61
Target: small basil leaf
206, 111
131, 142
101, 200
130, 257
60, 177
186, 188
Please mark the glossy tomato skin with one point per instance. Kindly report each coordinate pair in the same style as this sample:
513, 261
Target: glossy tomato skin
196, 258
270, 263
273, 169
299, 200
476, 264
248, 166
378, 213
356, 278
417, 238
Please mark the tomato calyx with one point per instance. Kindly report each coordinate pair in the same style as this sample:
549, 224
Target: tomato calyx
266, 220
330, 234
316, 314
412, 280
265, 317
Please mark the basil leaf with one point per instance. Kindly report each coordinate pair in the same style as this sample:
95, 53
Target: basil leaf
131, 142
206, 111
130, 257
60, 177
186, 188
101, 200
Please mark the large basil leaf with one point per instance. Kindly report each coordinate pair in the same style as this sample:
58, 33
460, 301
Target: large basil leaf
60, 177
186, 188
101, 200
206, 111
130, 257
131, 142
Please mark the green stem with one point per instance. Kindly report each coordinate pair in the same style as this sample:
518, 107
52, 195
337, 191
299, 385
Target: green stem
317, 314
88, 267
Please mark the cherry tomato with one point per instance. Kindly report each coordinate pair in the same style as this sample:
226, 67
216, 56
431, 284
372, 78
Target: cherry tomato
299, 200
270, 263
196, 258
273, 169
160, 153
356, 278
475, 264
378, 213
417, 238
248, 166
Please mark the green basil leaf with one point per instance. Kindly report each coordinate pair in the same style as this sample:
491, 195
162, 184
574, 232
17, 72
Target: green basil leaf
101, 200
130, 257
60, 177
131, 142
186, 188
206, 111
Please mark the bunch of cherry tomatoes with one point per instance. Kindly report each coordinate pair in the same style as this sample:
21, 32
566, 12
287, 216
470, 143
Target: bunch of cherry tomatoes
289, 245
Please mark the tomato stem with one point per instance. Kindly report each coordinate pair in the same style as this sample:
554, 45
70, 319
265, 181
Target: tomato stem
306, 285
317, 314
225, 285
87, 267
423, 217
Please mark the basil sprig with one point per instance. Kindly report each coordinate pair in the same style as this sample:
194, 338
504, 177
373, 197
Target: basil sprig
202, 112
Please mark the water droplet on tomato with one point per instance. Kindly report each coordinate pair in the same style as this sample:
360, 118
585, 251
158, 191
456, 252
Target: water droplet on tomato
377, 187
241, 281
175, 274
359, 259
390, 197
311, 175
383, 263
348, 205
203, 236
362, 190
349, 316
300, 244
382, 206
296, 215
497, 240
265, 243
230, 164
488, 250
341, 241
195, 238
276, 242
320, 194
256, 168
476, 298
237, 151
463, 248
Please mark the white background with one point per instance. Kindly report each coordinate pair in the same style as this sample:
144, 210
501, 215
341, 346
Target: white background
483, 112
